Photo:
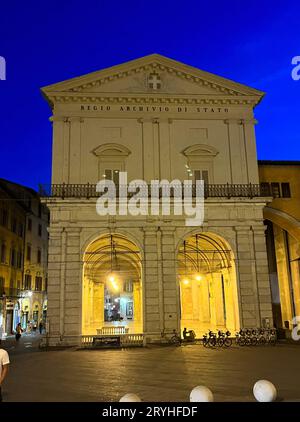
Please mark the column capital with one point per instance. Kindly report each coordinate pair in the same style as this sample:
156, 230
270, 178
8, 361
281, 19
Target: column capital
259, 229
150, 230
233, 121
242, 229
55, 230
75, 231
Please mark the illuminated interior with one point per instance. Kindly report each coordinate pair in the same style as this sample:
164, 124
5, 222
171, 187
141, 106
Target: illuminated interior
208, 288
112, 288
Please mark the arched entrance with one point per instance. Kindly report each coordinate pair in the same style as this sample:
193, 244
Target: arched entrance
112, 285
208, 287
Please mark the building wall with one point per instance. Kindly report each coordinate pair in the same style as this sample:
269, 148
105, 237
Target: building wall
283, 215
156, 146
12, 226
114, 119
35, 265
17, 301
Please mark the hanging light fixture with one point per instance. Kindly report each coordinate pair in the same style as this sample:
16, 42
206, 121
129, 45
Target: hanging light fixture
113, 267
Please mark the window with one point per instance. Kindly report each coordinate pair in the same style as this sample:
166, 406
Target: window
14, 225
39, 256
275, 187
19, 260
201, 175
19, 285
40, 230
112, 174
29, 224
27, 282
3, 253
20, 230
38, 283
2, 283
128, 286
13, 258
28, 253
265, 189
285, 190
40, 211
4, 217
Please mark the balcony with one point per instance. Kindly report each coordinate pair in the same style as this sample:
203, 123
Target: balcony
87, 191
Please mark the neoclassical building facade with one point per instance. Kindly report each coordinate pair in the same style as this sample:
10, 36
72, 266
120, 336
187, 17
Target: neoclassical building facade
156, 119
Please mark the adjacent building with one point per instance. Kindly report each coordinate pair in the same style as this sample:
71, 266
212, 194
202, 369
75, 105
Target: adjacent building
23, 258
281, 180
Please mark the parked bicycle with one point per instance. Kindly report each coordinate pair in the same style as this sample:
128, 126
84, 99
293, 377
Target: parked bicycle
256, 336
175, 338
220, 339
210, 339
224, 339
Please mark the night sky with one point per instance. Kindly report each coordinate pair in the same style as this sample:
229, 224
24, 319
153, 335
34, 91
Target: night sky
45, 42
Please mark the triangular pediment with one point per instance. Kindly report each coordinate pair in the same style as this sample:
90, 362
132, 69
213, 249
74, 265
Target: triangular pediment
152, 75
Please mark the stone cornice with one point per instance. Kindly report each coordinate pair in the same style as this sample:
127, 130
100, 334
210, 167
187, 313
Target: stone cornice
152, 64
151, 99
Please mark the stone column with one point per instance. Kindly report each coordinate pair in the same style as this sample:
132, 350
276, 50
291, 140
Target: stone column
152, 300
249, 282
137, 308
57, 149
165, 149
66, 150
171, 305
218, 299
238, 165
262, 272
73, 285
54, 284
147, 143
75, 150
250, 148
98, 305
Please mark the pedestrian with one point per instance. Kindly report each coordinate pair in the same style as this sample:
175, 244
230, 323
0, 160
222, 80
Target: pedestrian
18, 331
41, 326
4, 362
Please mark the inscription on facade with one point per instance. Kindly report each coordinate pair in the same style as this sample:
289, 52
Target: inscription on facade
151, 109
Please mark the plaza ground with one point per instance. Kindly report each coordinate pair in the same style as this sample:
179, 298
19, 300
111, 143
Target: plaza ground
155, 373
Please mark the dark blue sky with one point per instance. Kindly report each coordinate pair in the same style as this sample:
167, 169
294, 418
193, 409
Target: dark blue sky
48, 41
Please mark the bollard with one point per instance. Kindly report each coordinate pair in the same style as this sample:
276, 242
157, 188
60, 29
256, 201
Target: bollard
130, 397
264, 391
201, 394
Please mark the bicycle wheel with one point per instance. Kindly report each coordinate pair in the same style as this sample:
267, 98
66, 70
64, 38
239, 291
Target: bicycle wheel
241, 341
253, 341
220, 341
175, 340
247, 341
262, 341
205, 342
272, 341
212, 342
228, 342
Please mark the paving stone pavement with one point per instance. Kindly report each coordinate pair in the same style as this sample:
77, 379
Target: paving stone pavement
155, 374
